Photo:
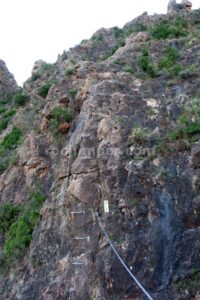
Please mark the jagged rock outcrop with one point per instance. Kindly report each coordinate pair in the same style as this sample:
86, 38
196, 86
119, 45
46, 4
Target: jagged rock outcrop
116, 118
187, 5
174, 7
8, 84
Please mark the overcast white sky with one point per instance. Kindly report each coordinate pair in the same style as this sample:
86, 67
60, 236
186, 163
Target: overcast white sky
40, 29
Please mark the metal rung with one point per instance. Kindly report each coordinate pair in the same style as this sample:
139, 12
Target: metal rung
82, 238
78, 263
77, 212
85, 135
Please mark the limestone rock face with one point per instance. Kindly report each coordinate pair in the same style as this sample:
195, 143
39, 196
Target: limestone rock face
139, 37
187, 5
174, 7
37, 66
129, 155
8, 84
195, 156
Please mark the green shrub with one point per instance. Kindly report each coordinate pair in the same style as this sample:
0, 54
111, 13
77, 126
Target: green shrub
2, 110
188, 130
20, 98
195, 19
20, 232
128, 69
188, 71
59, 116
37, 198
140, 27
117, 32
151, 112
175, 70
144, 60
6, 100
145, 63
9, 113
169, 62
84, 57
121, 34
98, 38
162, 147
64, 55
196, 34
171, 56
4, 164
8, 214
174, 135
62, 114
44, 89
4, 124
3, 263
7, 148
6, 117
188, 124
183, 119
7, 159
170, 29
12, 139
192, 128
120, 62
139, 134
83, 42
73, 92
115, 48
46, 67
70, 70
161, 31
128, 31
194, 107
19, 237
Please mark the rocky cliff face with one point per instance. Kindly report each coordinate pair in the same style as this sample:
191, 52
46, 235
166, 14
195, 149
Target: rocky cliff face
8, 84
116, 118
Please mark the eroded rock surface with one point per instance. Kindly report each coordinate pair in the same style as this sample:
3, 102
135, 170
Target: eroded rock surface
8, 84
